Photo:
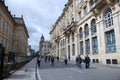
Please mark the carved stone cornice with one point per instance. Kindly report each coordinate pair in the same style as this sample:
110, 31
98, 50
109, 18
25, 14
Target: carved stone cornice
70, 28
57, 39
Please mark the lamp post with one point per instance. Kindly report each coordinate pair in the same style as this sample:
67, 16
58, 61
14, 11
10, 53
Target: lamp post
2, 53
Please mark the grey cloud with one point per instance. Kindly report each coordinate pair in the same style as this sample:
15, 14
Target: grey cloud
39, 16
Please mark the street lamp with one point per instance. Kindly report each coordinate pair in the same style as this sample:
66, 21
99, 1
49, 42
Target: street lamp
2, 53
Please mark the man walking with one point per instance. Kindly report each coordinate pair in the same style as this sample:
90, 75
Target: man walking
76, 60
38, 61
52, 60
87, 61
79, 61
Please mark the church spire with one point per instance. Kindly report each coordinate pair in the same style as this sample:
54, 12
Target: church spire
42, 38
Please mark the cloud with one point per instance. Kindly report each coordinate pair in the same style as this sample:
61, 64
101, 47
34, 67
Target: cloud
39, 16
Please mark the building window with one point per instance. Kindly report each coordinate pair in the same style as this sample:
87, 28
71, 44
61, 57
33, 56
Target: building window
110, 41
73, 49
86, 30
68, 50
81, 33
73, 37
3, 26
85, 10
93, 26
108, 20
81, 48
68, 39
72, 7
73, 19
94, 45
87, 46
65, 42
61, 43
80, 16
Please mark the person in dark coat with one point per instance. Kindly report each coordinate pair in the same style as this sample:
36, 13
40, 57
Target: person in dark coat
52, 60
57, 58
76, 60
38, 61
87, 61
45, 58
79, 61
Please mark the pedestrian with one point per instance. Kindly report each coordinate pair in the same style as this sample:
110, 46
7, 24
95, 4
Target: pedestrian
38, 61
69, 58
57, 58
79, 61
76, 60
52, 60
87, 61
49, 58
65, 60
45, 58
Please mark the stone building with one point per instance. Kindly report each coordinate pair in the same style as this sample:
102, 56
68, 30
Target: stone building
88, 27
13, 32
44, 46
20, 37
6, 27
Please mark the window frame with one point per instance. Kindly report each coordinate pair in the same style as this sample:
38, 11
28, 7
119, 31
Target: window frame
87, 46
108, 19
93, 27
110, 41
94, 45
86, 30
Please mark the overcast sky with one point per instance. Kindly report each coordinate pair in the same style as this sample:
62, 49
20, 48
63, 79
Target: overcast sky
39, 16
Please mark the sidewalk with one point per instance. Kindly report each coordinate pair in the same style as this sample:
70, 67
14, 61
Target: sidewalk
27, 72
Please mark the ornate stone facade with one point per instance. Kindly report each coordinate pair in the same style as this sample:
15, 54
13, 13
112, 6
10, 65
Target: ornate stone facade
20, 37
13, 32
88, 27
44, 46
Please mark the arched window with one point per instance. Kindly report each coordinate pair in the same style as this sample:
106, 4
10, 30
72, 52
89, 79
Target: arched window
93, 26
108, 20
86, 29
81, 33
